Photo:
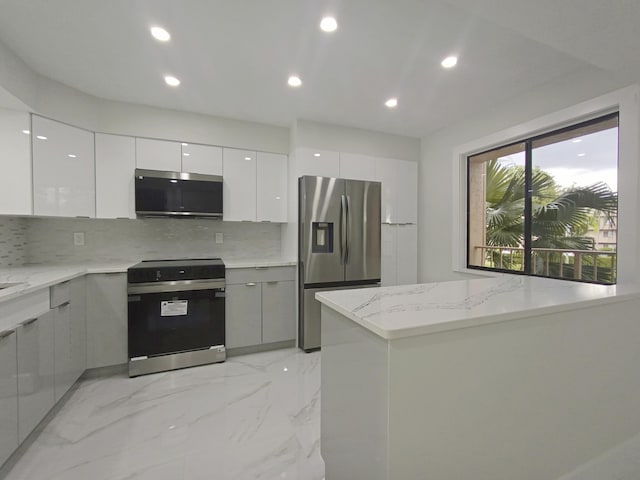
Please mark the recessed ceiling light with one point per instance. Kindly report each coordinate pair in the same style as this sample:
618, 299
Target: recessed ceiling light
160, 33
581, 154
449, 62
41, 137
577, 140
185, 144
26, 131
247, 158
328, 24
277, 198
171, 81
71, 155
391, 103
316, 154
186, 154
294, 81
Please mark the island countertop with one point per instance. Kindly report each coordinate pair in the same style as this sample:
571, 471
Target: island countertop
409, 310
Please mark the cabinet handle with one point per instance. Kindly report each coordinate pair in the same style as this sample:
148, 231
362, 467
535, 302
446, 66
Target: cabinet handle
272, 282
251, 284
26, 323
261, 268
64, 304
6, 333
83, 216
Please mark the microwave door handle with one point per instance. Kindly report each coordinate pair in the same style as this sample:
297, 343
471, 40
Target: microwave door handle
343, 229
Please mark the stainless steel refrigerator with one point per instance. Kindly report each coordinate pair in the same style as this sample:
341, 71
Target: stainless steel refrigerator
338, 244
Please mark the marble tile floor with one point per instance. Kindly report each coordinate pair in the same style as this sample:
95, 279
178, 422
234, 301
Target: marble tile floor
252, 417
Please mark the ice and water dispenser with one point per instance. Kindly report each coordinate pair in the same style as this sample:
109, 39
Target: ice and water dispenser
322, 237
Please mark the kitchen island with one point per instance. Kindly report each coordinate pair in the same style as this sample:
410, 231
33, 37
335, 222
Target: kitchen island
499, 378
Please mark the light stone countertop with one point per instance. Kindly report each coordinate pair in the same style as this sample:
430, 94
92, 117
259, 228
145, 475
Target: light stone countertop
410, 310
30, 278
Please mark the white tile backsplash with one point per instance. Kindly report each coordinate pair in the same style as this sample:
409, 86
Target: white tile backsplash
50, 240
13, 240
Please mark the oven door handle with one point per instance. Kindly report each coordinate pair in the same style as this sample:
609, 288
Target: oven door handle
176, 286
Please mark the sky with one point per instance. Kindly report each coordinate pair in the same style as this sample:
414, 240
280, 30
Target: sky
580, 161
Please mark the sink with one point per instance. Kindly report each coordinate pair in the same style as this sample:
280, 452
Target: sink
9, 285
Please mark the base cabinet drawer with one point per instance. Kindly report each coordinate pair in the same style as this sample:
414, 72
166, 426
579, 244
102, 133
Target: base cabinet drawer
35, 354
8, 394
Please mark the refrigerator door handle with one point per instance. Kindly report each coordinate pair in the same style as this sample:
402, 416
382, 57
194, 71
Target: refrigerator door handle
343, 229
348, 236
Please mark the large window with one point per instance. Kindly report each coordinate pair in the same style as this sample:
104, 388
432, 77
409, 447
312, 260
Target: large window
547, 205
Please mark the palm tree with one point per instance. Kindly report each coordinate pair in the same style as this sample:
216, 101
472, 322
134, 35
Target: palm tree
560, 217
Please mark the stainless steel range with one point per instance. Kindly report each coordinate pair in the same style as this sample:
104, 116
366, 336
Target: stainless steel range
176, 314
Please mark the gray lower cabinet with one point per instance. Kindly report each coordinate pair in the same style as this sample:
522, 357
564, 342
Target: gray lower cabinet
243, 315
8, 394
35, 354
260, 306
69, 333
106, 319
278, 311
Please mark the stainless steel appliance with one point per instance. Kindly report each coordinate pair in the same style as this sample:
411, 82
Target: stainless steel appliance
338, 244
176, 314
161, 193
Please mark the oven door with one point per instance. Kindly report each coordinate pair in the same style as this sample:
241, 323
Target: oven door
164, 322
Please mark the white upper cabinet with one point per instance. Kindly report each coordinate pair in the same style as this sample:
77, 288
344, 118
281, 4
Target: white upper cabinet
386, 172
319, 163
399, 190
239, 185
407, 191
357, 167
158, 155
15, 162
271, 188
205, 159
115, 167
63, 169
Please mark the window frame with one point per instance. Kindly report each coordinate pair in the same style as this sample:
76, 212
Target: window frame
506, 126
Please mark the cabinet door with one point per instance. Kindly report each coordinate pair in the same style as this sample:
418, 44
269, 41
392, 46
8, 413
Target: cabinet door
63, 169
78, 327
63, 358
204, 159
158, 155
272, 187
386, 172
15, 161
8, 394
319, 163
36, 395
106, 316
243, 315
388, 258
407, 191
239, 185
278, 311
407, 254
115, 167
357, 167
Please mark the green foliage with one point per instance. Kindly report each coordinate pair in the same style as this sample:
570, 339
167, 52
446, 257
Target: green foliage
560, 218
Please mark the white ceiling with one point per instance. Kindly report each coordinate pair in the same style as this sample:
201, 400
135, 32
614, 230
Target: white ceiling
234, 56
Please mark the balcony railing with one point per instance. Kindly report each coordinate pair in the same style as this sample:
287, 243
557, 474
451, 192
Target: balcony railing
590, 265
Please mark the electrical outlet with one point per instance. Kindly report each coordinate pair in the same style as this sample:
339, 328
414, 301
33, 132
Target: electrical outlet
78, 239
219, 238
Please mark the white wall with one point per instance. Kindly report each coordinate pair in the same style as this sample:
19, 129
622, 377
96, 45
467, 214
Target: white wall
325, 136
435, 209
52, 99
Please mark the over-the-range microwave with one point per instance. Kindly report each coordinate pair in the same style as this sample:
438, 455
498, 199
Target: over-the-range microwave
160, 193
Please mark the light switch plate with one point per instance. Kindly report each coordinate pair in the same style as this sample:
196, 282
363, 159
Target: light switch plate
78, 239
219, 238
